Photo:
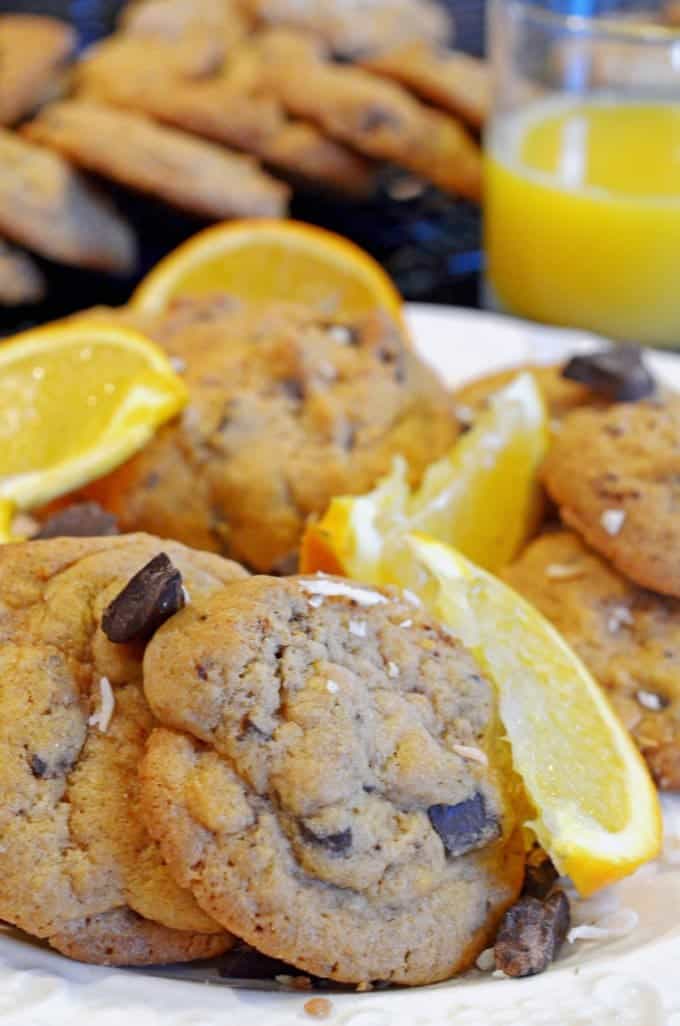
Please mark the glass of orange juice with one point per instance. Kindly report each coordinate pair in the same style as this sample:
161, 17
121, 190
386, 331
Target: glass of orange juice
582, 206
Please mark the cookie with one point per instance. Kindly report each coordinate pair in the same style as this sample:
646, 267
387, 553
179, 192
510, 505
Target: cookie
629, 638
288, 408
21, 280
173, 166
450, 79
560, 395
33, 53
614, 475
49, 208
331, 784
377, 117
76, 861
203, 31
354, 26
126, 72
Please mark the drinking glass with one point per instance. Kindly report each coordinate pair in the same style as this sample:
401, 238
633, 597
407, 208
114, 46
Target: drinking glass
582, 206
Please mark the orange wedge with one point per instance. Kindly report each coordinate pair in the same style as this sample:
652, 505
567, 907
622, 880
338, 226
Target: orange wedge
266, 260
75, 401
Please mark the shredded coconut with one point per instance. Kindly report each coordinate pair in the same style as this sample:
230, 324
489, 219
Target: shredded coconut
616, 924
649, 700
392, 669
321, 586
340, 333
315, 601
411, 597
102, 717
178, 364
498, 974
332, 687
473, 754
486, 960
406, 623
612, 520
617, 617
357, 627
187, 596
563, 571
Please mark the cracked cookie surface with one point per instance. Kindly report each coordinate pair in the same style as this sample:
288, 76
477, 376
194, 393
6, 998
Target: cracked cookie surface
337, 796
76, 861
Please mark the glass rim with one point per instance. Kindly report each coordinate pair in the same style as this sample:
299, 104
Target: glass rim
600, 27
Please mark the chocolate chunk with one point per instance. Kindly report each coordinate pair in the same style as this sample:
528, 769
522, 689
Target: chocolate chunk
531, 934
335, 843
539, 876
149, 598
376, 118
83, 520
293, 388
244, 963
618, 373
38, 766
465, 826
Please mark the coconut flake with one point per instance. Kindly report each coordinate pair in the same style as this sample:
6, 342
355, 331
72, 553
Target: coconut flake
563, 571
324, 586
473, 754
102, 717
315, 601
486, 960
612, 520
411, 597
187, 596
406, 623
340, 333
358, 628
649, 700
392, 669
617, 924
617, 617
332, 686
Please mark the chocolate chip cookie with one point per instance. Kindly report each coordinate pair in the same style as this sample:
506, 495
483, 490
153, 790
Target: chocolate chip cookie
289, 406
77, 867
331, 785
615, 475
34, 51
628, 637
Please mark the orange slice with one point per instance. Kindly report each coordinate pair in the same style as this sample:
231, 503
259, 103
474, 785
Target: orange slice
265, 260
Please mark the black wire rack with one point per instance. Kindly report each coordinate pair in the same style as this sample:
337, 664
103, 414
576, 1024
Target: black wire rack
429, 242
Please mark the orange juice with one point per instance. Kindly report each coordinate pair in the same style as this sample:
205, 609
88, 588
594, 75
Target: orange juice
583, 217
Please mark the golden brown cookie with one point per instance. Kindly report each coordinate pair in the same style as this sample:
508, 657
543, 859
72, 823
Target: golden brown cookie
449, 79
49, 208
33, 53
339, 797
289, 407
355, 26
203, 31
126, 72
615, 476
173, 166
21, 280
75, 859
628, 637
375, 116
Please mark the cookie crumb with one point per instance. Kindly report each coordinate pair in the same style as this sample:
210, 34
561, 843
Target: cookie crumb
318, 1008
486, 960
364, 987
357, 627
650, 700
102, 717
612, 520
392, 669
473, 754
295, 982
563, 571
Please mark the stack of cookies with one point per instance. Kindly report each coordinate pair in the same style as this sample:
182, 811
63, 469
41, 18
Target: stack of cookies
191, 756
608, 575
216, 108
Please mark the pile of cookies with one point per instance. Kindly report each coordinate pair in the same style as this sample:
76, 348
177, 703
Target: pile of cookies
605, 569
216, 107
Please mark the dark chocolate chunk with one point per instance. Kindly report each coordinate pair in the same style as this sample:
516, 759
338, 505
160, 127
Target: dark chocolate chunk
38, 766
244, 963
293, 388
83, 520
465, 826
531, 934
539, 876
149, 598
618, 373
335, 843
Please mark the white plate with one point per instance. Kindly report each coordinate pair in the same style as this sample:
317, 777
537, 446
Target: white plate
630, 980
